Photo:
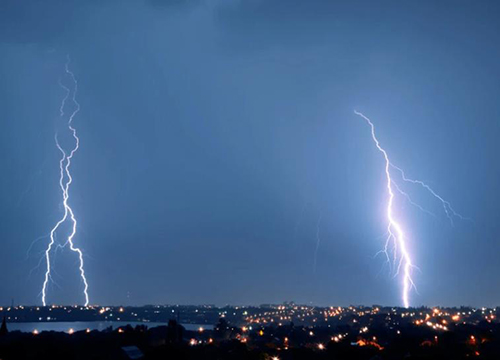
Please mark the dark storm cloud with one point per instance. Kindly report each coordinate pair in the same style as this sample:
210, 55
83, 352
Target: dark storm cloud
37, 21
172, 4
52, 22
216, 133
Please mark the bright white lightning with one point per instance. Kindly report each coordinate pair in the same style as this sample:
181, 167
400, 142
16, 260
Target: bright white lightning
448, 209
65, 180
395, 230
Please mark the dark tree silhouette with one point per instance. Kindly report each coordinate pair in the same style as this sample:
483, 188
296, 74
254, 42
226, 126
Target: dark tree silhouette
3, 328
174, 332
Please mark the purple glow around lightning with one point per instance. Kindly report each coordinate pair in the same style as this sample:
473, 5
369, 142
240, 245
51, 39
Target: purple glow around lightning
396, 235
65, 180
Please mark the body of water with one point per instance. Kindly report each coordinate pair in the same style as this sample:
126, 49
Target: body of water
71, 326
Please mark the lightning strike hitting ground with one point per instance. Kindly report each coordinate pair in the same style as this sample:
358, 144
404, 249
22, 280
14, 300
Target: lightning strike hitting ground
65, 181
395, 232
394, 228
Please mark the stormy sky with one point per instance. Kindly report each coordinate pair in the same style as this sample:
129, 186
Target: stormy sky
218, 143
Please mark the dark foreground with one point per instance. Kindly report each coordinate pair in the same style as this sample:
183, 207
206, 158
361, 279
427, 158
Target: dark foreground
272, 334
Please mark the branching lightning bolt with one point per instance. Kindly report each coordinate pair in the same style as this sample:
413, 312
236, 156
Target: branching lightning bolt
395, 232
448, 209
394, 228
65, 180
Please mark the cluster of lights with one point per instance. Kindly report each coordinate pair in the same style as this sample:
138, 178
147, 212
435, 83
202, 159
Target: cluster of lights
338, 338
373, 342
361, 320
196, 342
299, 314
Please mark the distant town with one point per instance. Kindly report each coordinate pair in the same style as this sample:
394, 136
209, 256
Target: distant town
273, 332
357, 317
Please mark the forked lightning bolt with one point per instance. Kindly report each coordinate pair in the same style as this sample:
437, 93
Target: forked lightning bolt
65, 181
395, 231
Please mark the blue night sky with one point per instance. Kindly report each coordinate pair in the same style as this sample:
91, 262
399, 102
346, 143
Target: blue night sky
219, 142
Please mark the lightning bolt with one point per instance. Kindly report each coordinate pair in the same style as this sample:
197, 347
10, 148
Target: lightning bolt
448, 209
394, 228
65, 180
395, 232
318, 240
